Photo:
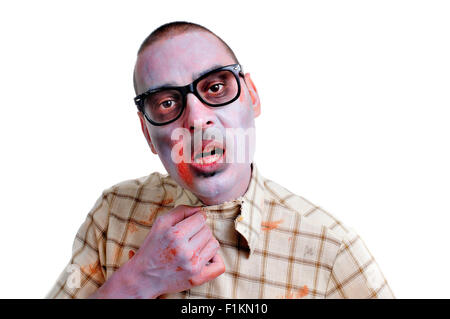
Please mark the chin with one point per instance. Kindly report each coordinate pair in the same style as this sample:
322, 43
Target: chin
220, 183
211, 186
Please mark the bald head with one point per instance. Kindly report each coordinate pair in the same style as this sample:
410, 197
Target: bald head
173, 29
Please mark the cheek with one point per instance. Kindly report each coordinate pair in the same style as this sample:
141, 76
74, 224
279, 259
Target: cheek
240, 116
161, 140
182, 169
165, 146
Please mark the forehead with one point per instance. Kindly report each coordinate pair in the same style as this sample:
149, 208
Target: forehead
179, 59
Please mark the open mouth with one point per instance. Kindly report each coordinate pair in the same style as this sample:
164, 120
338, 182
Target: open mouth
211, 153
210, 156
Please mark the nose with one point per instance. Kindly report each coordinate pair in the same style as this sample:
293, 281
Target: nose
198, 115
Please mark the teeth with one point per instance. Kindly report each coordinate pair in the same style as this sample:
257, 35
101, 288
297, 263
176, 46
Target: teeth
208, 157
208, 153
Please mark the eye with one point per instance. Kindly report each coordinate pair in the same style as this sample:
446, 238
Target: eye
167, 104
216, 87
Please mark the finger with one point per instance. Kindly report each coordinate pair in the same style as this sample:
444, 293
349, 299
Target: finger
209, 251
209, 272
179, 213
190, 226
201, 238
217, 259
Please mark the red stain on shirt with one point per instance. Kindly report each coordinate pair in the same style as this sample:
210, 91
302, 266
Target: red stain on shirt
91, 269
289, 295
155, 212
270, 225
132, 228
179, 269
302, 292
146, 222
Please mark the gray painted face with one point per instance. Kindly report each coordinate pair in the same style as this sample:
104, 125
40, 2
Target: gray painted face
178, 61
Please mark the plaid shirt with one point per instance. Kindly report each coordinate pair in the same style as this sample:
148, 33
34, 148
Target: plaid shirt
274, 244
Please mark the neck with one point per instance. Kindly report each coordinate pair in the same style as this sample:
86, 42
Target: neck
236, 191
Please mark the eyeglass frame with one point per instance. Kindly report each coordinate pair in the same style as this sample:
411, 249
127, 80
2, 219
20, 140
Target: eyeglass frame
236, 69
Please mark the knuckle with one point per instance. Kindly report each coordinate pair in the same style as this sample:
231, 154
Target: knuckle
159, 220
187, 254
178, 242
190, 269
193, 268
175, 230
175, 233
183, 254
170, 235
196, 268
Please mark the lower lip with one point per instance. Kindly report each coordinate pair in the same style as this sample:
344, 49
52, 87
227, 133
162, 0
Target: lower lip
209, 166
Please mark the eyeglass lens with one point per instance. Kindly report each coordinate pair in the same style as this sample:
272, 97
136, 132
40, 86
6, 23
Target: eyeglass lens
217, 88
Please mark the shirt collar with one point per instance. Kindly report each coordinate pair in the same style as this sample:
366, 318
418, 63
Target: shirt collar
249, 206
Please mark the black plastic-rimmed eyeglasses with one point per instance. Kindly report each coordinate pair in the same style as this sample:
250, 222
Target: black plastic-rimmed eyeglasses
215, 88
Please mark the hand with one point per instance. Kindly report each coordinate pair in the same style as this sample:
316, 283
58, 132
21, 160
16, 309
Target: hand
178, 253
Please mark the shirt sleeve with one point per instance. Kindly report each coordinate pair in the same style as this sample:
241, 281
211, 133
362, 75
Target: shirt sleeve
85, 272
355, 274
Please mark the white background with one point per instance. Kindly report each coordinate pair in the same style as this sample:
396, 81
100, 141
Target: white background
355, 118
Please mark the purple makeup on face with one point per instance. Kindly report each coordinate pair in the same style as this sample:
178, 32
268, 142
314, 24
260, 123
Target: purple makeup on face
199, 148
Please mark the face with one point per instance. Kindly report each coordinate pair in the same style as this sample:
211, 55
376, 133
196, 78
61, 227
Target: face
178, 61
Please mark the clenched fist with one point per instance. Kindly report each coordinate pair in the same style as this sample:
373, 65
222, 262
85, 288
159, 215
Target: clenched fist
179, 252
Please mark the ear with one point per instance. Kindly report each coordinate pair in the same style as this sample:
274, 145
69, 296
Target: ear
253, 94
145, 131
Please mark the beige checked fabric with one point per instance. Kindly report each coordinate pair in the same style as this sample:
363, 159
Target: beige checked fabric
274, 244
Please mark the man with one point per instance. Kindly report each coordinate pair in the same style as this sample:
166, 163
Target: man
212, 227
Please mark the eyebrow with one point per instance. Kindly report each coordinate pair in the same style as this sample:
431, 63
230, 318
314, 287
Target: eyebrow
169, 84
194, 77
197, 75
